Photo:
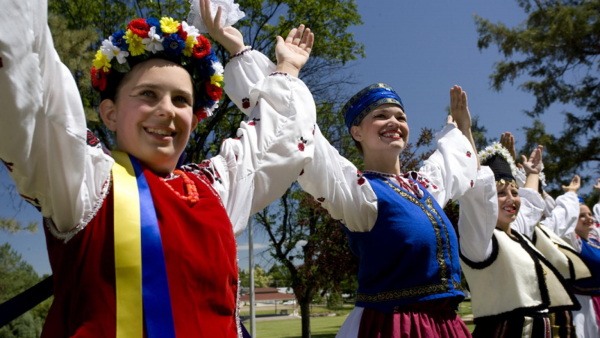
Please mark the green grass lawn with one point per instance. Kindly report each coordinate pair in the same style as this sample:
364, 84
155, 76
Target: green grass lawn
321, 327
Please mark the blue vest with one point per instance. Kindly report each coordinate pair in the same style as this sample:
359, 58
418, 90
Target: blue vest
410, 255
590, 253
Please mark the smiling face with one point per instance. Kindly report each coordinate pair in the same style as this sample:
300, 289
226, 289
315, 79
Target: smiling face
585, 223
509, 203
152, 115
385, 129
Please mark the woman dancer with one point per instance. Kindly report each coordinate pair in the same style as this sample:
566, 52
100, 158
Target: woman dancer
513, 286
139, 247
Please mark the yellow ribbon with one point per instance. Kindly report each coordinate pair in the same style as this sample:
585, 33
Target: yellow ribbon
128, 249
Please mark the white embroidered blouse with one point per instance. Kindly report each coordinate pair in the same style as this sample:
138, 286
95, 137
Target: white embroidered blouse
43, 136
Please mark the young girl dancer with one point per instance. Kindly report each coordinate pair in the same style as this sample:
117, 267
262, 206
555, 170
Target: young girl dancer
137, 246
409, 274
557, 214
513, 286
582, 234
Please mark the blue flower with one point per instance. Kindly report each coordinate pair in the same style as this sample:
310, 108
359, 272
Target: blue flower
153, 22
119, 40
174, 44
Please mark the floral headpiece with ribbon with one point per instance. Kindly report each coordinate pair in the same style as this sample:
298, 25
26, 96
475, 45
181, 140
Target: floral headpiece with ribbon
167, 39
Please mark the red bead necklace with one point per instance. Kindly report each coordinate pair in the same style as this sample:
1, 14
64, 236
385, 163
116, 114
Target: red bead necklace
192, 197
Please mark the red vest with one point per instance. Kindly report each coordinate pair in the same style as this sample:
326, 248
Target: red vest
200, 253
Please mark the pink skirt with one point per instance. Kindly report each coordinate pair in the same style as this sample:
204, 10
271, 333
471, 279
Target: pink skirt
432, 319
596, 302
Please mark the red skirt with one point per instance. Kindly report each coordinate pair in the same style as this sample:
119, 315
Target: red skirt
432, 319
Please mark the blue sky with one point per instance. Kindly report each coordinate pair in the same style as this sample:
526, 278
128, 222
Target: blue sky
421, 48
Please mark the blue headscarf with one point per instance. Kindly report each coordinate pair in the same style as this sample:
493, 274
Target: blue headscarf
371, 97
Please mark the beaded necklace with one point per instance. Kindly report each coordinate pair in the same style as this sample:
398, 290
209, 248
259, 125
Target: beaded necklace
192, 197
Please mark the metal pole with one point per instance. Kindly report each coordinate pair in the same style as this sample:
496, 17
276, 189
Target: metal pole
251, 261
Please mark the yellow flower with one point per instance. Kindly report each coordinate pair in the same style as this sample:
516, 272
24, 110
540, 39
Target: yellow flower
168, 25
101, 62
190, 42
216, 80
136, 47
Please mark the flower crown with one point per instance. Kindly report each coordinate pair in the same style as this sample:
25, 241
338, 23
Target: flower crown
167, 39
497, 149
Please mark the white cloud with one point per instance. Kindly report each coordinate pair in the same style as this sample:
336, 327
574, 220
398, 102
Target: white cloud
257, 246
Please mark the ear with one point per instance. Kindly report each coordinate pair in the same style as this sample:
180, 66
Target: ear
195, 122
356, 133
108, 112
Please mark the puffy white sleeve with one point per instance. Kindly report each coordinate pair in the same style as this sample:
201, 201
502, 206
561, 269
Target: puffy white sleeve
530, 212
452, 168
270, 150
564, 215
43, 136
242, 73
338, 185
478, 217
597, 212
550, 204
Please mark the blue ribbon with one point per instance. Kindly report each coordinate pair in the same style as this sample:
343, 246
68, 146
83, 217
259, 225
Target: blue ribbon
155, 287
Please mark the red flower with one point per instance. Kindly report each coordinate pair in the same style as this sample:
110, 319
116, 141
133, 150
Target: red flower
202, 48
99, 79
301, 146
201, 114
321, 199
213, 91
471, 183
139, 27
468, 154
181, 32
361, 181
246, 103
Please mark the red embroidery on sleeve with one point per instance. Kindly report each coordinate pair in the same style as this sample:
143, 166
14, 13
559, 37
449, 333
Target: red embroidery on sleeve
246, 103
8, 165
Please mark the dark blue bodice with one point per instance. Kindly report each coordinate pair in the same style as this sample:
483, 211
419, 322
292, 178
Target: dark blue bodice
410, 255
590, 253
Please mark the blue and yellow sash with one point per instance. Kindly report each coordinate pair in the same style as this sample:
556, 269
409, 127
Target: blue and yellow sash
142, 288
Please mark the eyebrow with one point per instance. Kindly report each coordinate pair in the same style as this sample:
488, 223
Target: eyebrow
158, 87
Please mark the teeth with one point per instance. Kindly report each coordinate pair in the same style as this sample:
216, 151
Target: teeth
391, 134
159, 131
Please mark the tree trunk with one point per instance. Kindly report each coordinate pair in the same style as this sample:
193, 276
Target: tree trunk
305, 313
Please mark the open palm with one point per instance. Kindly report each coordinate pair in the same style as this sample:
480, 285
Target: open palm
228, 37
295, 50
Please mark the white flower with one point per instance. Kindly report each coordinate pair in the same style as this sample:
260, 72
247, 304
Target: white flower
111, 51
190, 30
209, 111
153, 42
497, 148
218, 67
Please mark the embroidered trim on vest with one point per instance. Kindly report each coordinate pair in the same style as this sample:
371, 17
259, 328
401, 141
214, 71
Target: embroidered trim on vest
401, 294
592, 244
440, 251
429, 203
66, 236
484, 264
572, 251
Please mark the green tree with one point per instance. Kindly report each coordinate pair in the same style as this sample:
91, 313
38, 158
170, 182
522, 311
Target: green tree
261, 278
17, 276
556, 48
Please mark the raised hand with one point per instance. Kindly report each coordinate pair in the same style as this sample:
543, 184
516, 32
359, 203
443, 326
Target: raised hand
459, 108
507, 140
228, 37
575, 184
533, 164
597, 185
293, 52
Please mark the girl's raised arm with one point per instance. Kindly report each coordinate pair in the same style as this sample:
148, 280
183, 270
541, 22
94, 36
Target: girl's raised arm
43, 138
